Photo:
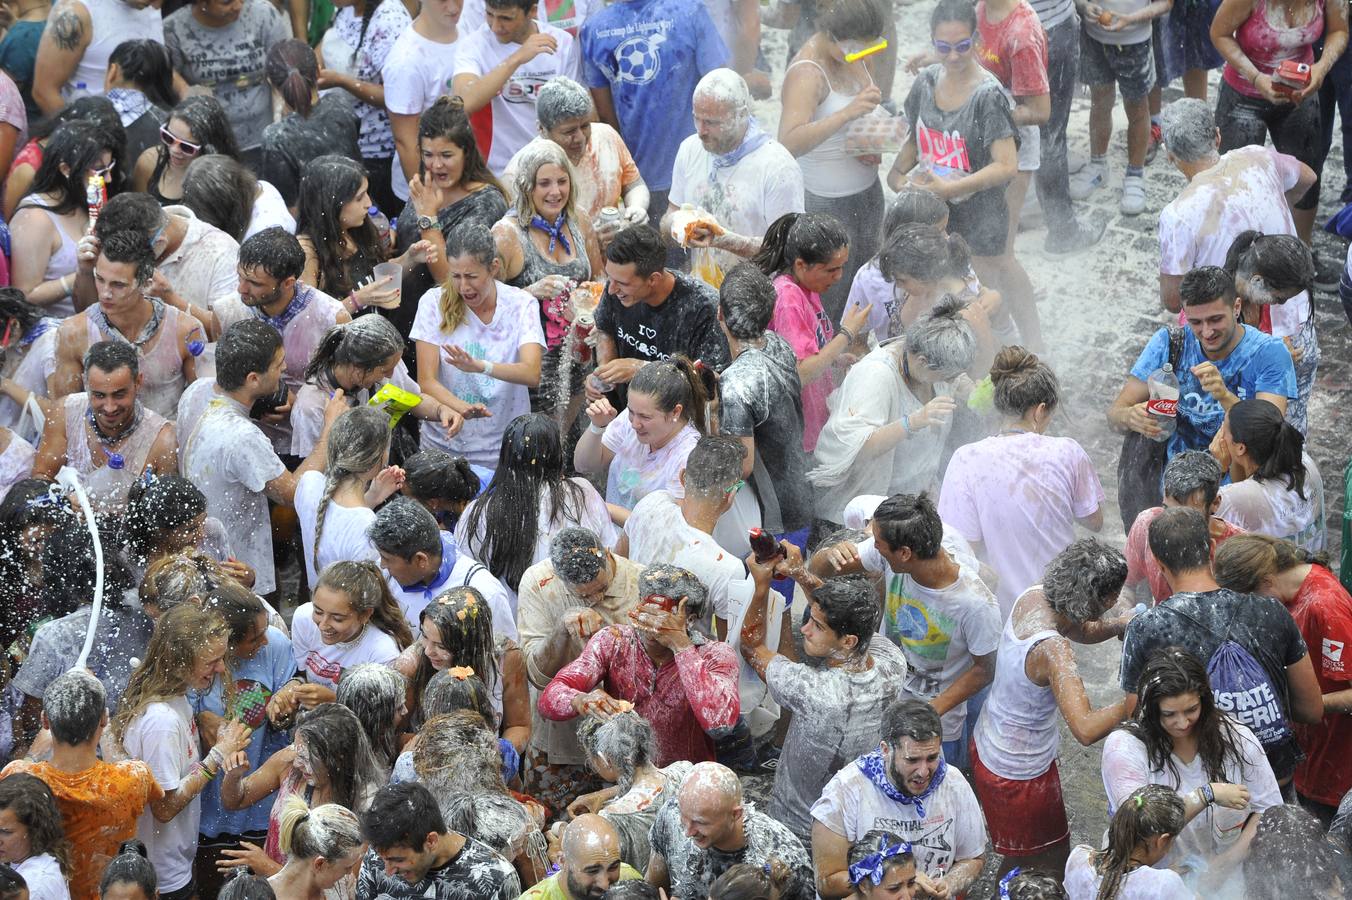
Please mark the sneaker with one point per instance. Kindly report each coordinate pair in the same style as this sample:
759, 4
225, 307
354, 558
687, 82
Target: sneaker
1156, 138
1328, 272
1075, 162
1081, 237
1133, 195
1087, 180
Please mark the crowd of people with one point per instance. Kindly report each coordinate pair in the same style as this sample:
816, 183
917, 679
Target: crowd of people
455, 450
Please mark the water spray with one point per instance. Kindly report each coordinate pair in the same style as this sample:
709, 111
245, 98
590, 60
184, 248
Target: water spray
69, 480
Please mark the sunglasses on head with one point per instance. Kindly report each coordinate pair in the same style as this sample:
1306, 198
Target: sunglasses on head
944, 47
170, 140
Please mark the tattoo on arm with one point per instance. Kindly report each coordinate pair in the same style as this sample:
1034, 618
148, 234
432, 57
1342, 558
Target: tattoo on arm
67, 29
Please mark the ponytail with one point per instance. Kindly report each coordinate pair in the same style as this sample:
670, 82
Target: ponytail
1239, 252
770, 258
357, 443
1274, 444
293, 71
812, 237
1245, 561
1149, 811
679, 382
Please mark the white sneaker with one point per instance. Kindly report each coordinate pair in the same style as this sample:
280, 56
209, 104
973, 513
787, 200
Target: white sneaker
1133, 195
1089, 179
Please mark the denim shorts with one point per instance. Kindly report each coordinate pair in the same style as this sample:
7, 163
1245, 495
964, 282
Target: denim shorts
1131, 66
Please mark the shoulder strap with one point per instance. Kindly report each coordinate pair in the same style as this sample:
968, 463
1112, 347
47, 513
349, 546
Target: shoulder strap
473, 570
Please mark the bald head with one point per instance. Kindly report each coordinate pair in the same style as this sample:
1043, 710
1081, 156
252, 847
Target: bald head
591, 857
722, 108
710, 803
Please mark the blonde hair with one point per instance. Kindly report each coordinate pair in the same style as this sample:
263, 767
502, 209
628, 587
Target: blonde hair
540, 154
364, 586
357, 443
467, 239
179, 577
327, 832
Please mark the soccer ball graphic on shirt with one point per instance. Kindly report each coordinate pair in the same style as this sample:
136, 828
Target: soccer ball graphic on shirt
637, 60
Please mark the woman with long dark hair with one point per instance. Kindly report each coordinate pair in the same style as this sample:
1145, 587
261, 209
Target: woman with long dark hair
92, 108
167, 515
1275, 487
443, 483
509, 526
1179, 739
1140, 834
224, 192
196, 126
34, 842
140, 85
378, 695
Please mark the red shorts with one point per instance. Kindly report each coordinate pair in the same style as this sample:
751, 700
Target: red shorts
1024, 818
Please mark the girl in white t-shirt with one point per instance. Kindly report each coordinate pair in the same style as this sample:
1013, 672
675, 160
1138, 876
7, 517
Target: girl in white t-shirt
479, 344
336, 507
646, 450
155, 723
31, 838
1140, 835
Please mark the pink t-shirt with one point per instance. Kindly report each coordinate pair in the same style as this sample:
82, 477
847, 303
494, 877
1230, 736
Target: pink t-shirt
802, 322
1019, 495
1268, 42
1141, 562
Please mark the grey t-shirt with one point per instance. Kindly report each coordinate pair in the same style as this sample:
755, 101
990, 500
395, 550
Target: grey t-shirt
230, 61
121, 634
761, 397
693, 871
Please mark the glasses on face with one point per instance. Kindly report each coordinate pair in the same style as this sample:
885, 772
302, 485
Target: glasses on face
943, 48
171, 140
104, 171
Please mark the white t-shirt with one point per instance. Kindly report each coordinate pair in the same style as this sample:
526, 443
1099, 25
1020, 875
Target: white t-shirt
344, 528
1143, 883
636, 471
416, 73
269, 209
307, 413
465, 571
952, 830
43, 876
510, 120
938, 631
515, 324
323, 663
566, 14
1267, 507
1019, 495
226, 454
870, 289
165, 738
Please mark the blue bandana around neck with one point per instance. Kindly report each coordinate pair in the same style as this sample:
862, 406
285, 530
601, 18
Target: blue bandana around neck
1004, 882
304, 294
429, 591
874, 866
874, 767
557, 231
753, 140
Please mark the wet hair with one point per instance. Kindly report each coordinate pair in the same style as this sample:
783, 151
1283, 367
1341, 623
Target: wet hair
637, 889
562, 99
913, 205
457, 753
69, 570
210, 126
375, 693
577, 555
437, 475
469, 638
845, 20
1275, 445
713, 467
364, 586
79, 146
180, 577
525, 6
875, 842
923, 253
1189, 129
365, 343
943, 338
220, 191
327, 832
625, 741
1243, 562
1022, 381
146, 64
1290, 848
529, 162
1191, 471
495, 819
747, 881
910, 520
238, 606
725, 86
1180, 540
131, 211
812, 237
131, 865
1149, 811
405, 528
1207, 284
960, 11
274, 250
89, 108
245, 348
1082, 582
446, 693
1035, 884
747, 300
32, 803
334, 738
158, 509
850, 607
640, 245
530, 491
666, 580
293, 71
244, 885
475, 240
12, 884
358, 442
1283, 261
75, 703
678, 382
907, 717
14, 305
327, 184
447, 120
130, 247
1173, 672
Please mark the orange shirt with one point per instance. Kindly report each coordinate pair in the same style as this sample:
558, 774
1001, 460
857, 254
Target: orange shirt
99, 808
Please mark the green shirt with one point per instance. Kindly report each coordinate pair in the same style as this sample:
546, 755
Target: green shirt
552, 887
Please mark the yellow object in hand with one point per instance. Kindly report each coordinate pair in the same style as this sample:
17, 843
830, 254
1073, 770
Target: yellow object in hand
867, 51
395, 401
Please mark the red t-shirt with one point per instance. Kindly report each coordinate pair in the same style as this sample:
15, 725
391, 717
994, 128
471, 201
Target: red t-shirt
1141, 562
1014, 50
1323, 612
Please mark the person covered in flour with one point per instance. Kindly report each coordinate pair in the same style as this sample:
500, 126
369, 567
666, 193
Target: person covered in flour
904, 786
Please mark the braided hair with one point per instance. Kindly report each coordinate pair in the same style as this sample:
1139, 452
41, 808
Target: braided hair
358, 442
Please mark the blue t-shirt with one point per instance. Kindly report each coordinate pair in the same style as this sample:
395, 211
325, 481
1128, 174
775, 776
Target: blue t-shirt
1261, 363
651, 54
255, 682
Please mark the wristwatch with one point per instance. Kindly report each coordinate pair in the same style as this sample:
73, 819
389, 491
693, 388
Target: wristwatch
426, 223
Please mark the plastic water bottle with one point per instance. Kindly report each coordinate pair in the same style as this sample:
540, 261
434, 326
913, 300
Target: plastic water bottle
382, 223
1163, 403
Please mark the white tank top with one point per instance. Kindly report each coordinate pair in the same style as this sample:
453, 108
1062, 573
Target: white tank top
161, 365
107, 487
111, 22
828, 171
1017, 734
61, 263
